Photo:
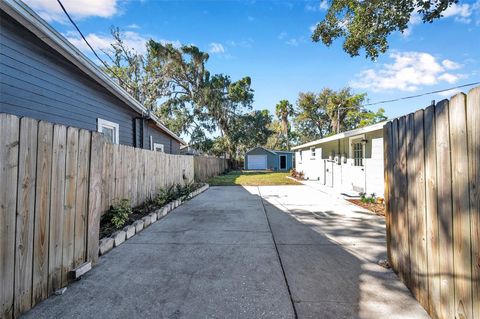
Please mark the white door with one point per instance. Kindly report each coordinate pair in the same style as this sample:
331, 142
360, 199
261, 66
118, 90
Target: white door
257, 162
358, 176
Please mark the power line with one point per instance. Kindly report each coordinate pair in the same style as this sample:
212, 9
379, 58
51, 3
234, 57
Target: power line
91, 48
422, 94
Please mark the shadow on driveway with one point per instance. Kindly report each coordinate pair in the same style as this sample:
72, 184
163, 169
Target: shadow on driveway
216, 257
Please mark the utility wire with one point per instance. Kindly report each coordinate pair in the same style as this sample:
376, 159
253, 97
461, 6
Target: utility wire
422, 94
368, 104
91, 48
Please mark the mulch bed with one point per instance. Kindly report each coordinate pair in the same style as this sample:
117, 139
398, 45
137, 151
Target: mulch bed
377, 208
138, 212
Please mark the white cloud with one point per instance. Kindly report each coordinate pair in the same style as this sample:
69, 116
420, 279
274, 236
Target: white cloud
216, 48
451, 65
282, 35
101, 42
245, 43
448, 77
408, 72
461, 12
323, 5
293, 42
133, 26
464, 13
414, 20
50, 10
449, 92
312, 28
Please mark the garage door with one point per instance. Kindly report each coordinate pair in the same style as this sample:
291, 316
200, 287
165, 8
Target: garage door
257, 162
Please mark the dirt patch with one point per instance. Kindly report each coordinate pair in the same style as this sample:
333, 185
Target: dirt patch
377, 208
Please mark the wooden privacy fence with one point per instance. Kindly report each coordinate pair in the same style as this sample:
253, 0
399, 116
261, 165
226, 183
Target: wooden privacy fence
207, 166
55, 182
432, 181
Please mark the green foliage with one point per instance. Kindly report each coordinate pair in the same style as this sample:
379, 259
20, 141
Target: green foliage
284, 109
118, 213
175, 84
368, 200
367, 24
251, 129
321, 114
177, 191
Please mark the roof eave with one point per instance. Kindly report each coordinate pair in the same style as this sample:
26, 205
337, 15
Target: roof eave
335, 137
30, 20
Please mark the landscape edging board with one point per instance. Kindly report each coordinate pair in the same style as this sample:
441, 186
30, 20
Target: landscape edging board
112, 241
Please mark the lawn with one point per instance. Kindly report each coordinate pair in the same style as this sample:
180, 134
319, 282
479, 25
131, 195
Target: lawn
252, 178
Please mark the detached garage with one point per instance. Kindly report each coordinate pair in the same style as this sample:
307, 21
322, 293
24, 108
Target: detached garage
261, 158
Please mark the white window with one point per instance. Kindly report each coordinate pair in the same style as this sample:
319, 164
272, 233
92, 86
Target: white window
312, 150
357, 149
109, 129
158, 147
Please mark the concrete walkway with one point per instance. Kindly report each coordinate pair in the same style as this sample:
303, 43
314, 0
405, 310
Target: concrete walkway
233, 252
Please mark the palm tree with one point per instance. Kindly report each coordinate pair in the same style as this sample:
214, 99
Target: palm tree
283, 110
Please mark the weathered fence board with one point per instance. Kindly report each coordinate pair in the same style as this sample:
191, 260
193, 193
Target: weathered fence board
444, 210
461, 211
57, 181
431, 218
402, 211
10, 133
81, 200
57, 201
437, 255
42, 212
25, 215
473, 137
71, 171
388, 173
94, 196
206, 167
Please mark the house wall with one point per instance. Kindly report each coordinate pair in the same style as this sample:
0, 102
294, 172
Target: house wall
345, 176
271, 158
171, 145
289, 160
36, 81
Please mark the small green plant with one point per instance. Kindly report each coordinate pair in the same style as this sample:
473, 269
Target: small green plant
366, 199
118, 213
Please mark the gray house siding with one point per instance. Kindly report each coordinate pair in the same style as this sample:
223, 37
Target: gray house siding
37, 82
170, 145
289, 157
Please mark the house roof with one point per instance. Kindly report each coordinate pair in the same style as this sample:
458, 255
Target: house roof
366, 129
30, 20
268, 150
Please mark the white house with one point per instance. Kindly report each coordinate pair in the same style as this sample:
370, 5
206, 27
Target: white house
350, 162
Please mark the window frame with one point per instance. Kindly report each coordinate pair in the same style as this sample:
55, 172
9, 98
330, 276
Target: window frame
101, 123
162, 146
313, 152
357, 162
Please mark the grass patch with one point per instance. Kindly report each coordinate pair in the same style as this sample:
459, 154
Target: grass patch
252, 178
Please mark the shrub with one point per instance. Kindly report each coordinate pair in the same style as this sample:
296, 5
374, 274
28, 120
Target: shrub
118, 213
296, 174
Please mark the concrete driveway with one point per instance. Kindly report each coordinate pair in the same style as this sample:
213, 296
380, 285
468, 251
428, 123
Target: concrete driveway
253, 252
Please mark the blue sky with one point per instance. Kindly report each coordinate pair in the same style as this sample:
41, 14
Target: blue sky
270, 42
